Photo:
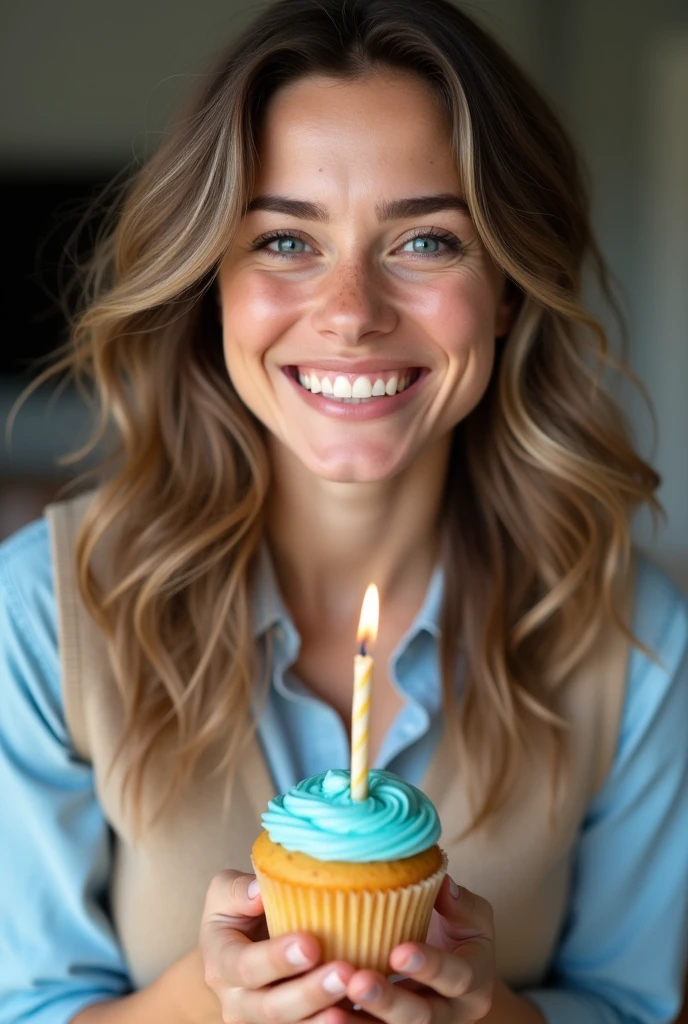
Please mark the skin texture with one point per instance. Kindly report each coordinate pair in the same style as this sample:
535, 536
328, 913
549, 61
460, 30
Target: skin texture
356, 499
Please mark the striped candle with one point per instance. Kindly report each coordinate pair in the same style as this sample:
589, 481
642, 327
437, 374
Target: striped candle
363, 675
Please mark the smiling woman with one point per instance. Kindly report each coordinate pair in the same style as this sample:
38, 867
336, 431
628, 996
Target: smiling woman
351, 292
337, 324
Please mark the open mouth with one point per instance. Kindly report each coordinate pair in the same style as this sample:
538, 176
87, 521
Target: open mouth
355, 388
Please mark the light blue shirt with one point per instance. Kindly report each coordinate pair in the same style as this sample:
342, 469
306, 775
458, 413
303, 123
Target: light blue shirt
620, 957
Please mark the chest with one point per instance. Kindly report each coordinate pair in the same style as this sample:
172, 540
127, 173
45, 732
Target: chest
325, 665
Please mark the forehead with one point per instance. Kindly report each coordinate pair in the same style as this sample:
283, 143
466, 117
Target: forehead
389, 124
383, 91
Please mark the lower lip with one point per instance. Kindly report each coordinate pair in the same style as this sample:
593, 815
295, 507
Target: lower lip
371, 409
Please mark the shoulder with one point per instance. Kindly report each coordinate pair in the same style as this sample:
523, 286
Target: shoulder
660, 620
29, 541
660, 607
27, 568
28, 637
26, 571
657, 679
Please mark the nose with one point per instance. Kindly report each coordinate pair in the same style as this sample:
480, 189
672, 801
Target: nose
352, 306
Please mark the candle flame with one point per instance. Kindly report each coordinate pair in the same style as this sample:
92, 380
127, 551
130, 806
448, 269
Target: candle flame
370, 614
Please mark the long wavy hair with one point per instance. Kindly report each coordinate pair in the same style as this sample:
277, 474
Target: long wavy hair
543, 477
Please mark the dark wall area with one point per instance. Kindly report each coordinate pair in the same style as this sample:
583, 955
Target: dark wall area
41, 216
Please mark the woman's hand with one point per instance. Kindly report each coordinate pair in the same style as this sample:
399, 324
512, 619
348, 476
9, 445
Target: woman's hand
256, 979
450, 978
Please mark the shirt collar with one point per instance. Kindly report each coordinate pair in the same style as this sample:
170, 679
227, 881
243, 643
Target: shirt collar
269, 610
267, 606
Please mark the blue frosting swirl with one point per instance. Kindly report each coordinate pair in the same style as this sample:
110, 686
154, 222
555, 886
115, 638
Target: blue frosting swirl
318, 817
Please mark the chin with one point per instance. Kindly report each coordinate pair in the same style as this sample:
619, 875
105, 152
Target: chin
356, 470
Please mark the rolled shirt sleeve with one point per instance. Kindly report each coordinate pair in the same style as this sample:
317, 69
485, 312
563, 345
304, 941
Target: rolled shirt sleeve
622, 955
58, 951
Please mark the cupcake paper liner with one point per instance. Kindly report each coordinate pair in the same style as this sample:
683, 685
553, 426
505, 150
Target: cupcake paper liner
361, 927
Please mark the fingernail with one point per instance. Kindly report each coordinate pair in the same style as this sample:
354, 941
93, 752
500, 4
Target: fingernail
296, 956
373, 993
334, 983
453, 888
414, 962
253, 888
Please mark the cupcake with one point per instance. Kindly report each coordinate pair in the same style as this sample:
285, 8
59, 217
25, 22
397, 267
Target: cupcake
362, 876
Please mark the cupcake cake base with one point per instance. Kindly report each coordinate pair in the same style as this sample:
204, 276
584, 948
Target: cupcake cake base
358, 911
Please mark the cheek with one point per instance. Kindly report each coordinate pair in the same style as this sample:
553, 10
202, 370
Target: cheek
457, 312
256, 313
256, 310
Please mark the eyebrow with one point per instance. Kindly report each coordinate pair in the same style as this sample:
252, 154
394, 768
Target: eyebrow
391, 209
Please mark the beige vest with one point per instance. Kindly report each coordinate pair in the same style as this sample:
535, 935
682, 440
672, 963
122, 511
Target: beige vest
520, 864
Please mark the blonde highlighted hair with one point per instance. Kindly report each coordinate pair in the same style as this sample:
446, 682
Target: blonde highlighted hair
543, 477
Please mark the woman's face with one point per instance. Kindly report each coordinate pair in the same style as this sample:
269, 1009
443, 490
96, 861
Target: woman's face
359, 307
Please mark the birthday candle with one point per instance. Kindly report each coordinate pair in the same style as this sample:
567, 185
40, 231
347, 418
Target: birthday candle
363, 674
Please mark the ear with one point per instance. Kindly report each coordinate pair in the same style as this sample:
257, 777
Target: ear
508, 307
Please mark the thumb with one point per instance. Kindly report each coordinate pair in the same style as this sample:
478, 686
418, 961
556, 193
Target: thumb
233, 900
233, 916
462, 913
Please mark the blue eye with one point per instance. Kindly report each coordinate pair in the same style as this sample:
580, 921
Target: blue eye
288, 242
434, 236
420, 243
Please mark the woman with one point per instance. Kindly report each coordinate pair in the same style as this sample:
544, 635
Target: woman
338, 325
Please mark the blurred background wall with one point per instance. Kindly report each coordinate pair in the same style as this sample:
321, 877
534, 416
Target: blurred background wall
85, 86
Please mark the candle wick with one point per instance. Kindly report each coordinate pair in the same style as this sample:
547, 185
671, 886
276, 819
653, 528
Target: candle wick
362, 649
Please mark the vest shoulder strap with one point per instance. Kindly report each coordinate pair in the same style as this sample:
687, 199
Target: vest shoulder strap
73, 623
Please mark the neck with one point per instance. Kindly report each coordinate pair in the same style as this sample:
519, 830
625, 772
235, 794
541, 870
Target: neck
329, 540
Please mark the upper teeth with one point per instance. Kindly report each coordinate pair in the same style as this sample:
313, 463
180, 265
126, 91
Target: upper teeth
361, 388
